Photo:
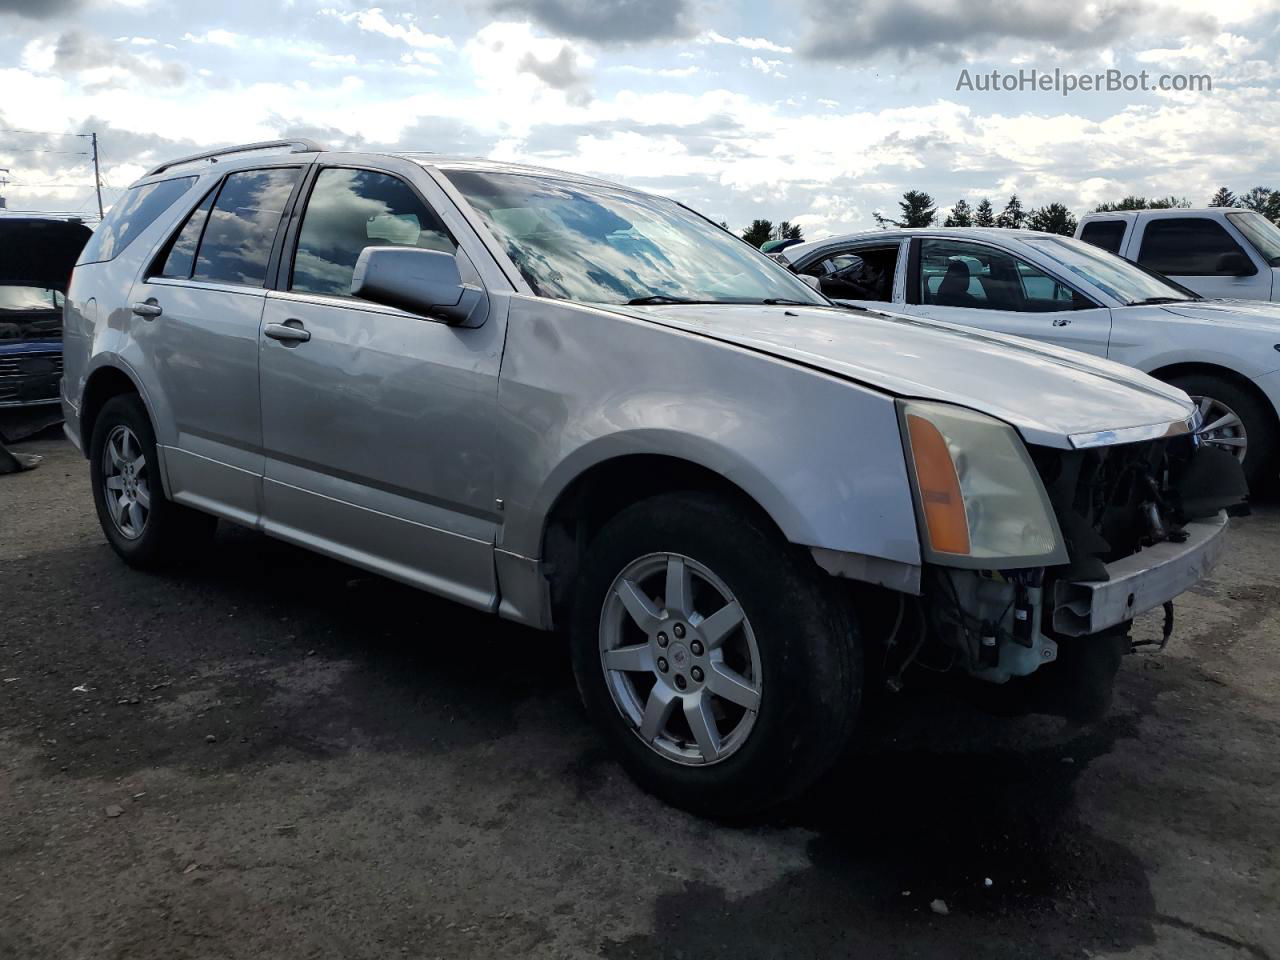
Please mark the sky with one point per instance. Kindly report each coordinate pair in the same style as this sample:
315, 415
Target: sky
820, 112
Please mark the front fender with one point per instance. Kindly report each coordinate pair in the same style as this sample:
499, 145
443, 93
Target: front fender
822, 456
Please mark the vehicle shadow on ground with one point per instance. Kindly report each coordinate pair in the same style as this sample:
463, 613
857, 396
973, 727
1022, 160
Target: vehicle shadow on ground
935, 799
933, 803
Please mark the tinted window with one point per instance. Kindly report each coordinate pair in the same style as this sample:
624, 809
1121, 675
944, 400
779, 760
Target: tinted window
242, 226
958, 274
353, 209
182, 252
1187, 247
1106, 234
132, 214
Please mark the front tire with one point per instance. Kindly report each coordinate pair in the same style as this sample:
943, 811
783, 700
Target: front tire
1235, 421
143, 526
716, 659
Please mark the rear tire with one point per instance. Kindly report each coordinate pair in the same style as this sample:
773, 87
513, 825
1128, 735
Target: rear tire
792, 640
143, 526
1258, 423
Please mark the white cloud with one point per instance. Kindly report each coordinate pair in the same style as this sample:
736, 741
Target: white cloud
374, 20
670, 72
218, 37
747, 43
770, 68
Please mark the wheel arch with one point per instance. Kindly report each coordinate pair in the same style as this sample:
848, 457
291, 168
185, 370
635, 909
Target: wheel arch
1169, 372
605, 488
105, 382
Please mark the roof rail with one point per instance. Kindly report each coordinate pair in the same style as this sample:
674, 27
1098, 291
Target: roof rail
299, 145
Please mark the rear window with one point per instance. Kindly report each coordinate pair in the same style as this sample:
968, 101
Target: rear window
132, 214
1106, 234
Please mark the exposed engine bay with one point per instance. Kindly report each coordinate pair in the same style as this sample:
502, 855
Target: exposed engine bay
1140, 522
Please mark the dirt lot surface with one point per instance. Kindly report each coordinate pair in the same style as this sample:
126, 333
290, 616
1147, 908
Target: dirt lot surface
272, 755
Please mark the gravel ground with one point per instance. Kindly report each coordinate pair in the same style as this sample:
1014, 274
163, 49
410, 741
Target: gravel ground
269, 754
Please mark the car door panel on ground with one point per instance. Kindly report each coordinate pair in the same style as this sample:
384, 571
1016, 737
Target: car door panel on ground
378, 406
977, 284
197, 312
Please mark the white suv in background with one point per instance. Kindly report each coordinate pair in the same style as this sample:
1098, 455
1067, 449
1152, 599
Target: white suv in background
1217, 252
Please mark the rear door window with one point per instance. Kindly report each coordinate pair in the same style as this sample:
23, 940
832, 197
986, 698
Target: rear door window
1187, 247
130, 215
1106, 234
353, 209
242, 225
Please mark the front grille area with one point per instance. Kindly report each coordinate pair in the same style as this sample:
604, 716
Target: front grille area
1105, 498
30, 377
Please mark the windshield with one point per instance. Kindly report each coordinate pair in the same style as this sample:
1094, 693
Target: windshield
1262, 233
29, 299
594, 244
1125, 281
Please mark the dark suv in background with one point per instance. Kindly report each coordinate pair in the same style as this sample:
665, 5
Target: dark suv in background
36, 257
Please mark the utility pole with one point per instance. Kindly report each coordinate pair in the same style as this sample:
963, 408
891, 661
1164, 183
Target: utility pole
4, 182
97, 175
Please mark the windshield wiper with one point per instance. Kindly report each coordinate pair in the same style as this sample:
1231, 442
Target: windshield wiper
1153, 301
662, 298
784, 302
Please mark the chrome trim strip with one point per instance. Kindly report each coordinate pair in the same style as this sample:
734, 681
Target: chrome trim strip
1153, 431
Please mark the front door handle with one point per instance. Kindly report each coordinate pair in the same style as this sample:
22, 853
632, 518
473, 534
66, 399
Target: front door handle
148, 309
290, 333
1061, 321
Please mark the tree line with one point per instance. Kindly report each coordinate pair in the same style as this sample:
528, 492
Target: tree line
918, 209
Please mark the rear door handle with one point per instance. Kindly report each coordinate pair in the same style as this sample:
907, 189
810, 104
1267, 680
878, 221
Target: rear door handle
291, 332
148, 309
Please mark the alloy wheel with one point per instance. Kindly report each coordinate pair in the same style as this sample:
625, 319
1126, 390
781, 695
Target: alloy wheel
126, 482
1220, 426
680, 659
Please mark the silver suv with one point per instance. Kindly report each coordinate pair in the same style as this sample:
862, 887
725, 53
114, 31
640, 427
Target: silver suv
579, 406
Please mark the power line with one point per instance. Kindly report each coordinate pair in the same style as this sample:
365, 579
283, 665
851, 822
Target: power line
64, 153
42, 133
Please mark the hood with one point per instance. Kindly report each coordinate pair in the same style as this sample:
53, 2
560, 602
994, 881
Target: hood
1257, 313
40, 252
1048, 393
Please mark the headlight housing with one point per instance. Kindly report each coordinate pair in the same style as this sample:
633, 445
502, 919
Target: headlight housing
979, 500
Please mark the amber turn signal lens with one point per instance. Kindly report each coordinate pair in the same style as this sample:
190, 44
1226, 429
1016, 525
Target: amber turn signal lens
939, 488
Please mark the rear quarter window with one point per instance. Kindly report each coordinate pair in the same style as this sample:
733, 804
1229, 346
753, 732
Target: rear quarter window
1106, 234
130, 215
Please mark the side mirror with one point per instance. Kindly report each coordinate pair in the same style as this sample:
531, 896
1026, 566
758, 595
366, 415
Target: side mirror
1235, 264
420, 281
810, 281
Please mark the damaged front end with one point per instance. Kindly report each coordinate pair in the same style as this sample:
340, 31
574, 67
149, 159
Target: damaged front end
1138, 523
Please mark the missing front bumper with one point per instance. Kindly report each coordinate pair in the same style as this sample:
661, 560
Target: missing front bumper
1140, 582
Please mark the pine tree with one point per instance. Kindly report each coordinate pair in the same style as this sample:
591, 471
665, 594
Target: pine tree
918, 209
786, 230
1012, 216
1264, 200
758, 232
984, 217
961, 215
1223, 198
1054, 218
